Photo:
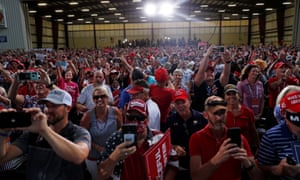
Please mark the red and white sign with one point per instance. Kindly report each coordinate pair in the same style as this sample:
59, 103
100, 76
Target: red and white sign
156, 158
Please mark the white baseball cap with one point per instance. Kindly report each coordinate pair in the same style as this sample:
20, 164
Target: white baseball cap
58, 96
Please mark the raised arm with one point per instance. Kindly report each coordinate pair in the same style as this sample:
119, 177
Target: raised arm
200, 75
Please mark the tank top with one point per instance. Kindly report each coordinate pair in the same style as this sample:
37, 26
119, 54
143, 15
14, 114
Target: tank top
101, 130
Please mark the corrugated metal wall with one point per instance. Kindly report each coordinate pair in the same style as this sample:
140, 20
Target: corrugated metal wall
16, 31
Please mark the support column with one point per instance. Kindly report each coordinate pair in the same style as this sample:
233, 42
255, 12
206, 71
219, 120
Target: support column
262, 27
94, 30
55, 34
39, 31
220, 30
66, 36
296, 27
280, 24
249, 30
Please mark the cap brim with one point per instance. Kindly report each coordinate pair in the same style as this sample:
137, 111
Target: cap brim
43, 101
217, 108
231, 90
179, 98
133, 91
138, 110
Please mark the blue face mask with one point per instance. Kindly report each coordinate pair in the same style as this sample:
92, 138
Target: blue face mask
293, 118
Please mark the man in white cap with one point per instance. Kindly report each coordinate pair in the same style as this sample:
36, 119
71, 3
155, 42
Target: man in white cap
55, 147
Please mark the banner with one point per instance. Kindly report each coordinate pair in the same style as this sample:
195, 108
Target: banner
156, 158
2, 17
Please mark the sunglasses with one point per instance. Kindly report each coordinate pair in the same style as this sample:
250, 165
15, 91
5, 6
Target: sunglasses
132, 117
231, 93
99, 96
219, 112
216, 103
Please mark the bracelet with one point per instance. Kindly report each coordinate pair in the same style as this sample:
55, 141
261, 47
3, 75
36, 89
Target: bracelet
2, 134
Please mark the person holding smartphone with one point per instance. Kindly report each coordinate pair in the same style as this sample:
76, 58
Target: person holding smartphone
213, 156
55, 147
279, 149
123, 154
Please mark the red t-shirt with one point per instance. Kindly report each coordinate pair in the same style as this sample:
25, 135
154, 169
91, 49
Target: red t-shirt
246, 121
203, 144
71, 87
273, 93
163, 97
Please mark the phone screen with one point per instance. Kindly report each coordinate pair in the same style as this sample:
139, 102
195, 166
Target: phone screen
15, 119
129, 133
235, 135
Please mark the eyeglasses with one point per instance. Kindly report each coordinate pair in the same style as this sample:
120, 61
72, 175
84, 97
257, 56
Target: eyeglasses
99, 96
132, 117
219, 112
231, 93
216, 103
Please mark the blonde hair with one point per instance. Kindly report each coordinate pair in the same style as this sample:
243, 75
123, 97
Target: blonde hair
102, 89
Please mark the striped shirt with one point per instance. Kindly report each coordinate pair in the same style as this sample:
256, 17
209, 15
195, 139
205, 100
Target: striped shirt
276, 144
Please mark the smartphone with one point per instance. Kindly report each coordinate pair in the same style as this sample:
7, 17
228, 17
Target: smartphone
235, 135
15, 119
290, 160
28, 76
129, 132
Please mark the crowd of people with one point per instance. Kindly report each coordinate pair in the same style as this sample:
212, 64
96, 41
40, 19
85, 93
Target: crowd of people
80, 100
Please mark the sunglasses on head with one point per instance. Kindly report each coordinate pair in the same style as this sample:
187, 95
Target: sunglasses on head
216, 103
132, 117
231, 93
99, 96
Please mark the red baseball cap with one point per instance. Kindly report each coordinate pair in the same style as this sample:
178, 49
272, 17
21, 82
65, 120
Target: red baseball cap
180, 94
280, 64
291, 101
161, 75
138, 105
135, 90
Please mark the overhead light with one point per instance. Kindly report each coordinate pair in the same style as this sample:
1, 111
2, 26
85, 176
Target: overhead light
112, 9
166, 9
85, 10
117, 14
121, 17
245, 17
221, 10
197, 11
71, 15
135, 1
226, 17
59, 11
142, 17
104, 2
47, 16
235, 14
207, 18
59, 20
94, 15
106, 21
204, 5
231, 5
245, 10
73, 3
42, 4
260, 4
150, 9
255, 14
69, 22
144, 20
101, 18
32, 11
88, 22
80, 19
125, 21
287, 3
269, 9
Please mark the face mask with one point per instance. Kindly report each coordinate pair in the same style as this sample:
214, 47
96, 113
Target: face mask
293, 118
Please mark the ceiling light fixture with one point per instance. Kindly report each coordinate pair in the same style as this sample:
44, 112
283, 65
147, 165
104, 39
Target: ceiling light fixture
260, 4
287, 3
231, 5
42, 4
104, 2
32, 11
59, 11
71, 15
112, 9
73, 3
85, 10
204, 5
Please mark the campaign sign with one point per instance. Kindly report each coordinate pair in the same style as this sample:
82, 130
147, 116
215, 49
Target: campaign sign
156, 158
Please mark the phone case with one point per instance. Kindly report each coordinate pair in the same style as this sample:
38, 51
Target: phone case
14, 119
235, 135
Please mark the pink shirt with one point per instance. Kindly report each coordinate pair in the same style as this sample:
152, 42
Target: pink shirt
71, 87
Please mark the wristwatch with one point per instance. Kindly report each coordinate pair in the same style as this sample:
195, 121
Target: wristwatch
252, 165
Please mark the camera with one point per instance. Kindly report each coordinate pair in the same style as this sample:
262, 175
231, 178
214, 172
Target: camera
116, 60
129, 132
219, 49
28, 76
15, 119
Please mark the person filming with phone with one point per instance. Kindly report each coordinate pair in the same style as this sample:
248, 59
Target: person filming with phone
279, 149
123, 154
215, 151
56, 148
